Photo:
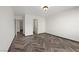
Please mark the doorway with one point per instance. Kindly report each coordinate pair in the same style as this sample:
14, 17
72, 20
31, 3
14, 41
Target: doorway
35, 26
19, 27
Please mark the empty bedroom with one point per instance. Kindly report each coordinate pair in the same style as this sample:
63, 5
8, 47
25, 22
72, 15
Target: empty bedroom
39, 28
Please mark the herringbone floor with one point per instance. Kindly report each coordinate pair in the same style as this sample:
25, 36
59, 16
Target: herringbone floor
43, 43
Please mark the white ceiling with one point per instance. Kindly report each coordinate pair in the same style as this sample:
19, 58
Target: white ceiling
37, 10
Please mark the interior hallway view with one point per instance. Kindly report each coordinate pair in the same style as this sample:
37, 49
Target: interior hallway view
35, 29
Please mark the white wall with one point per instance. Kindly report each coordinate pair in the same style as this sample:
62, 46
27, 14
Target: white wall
64, 24
7, 28
41, 25
29, 24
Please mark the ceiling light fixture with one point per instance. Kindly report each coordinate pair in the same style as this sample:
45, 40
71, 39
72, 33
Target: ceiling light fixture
45, 8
